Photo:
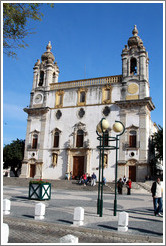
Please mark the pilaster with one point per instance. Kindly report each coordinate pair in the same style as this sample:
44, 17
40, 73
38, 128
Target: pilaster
122, 137
42, 136
142, 135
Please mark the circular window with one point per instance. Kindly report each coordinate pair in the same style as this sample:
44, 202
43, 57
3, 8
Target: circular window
58, 114
132, 154
106, 111
81, 112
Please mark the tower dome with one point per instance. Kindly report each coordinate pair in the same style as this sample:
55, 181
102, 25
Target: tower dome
48, 56
135, 40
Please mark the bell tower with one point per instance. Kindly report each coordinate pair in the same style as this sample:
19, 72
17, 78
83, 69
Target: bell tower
135, 69
45, 72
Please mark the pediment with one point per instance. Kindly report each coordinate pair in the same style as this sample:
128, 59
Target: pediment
132, 127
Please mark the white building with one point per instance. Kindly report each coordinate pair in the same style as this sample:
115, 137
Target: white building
62, 118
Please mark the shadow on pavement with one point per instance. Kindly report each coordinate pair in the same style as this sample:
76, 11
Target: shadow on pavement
108, 227
141, 218
146, 231
66, 221
28, 216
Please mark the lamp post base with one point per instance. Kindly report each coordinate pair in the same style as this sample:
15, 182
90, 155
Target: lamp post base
115, 207
98, 206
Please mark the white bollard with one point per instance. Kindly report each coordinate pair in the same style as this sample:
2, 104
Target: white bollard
6, 206
5, 233
69, 239
78, 216
39, 211
123, 218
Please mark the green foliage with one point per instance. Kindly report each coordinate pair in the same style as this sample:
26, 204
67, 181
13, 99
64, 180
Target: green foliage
158, 143
15, 19
40, 181
13, 155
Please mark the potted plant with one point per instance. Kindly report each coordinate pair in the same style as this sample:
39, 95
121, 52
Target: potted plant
39, 190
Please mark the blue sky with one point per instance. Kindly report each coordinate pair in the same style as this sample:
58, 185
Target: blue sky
87, 41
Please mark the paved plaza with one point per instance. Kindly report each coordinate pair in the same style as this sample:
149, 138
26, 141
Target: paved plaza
143, 225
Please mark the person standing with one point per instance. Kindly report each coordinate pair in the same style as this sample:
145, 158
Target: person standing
124, 179
128, 184
156, 190
120, 186
93, 179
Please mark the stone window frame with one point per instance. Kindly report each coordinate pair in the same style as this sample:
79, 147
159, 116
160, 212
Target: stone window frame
80, 90
54, 160
57, 94
136, 129
104, 99
32, 134
79, 126
105, 165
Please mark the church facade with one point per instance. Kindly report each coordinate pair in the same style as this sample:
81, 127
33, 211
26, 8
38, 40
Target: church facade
62, 117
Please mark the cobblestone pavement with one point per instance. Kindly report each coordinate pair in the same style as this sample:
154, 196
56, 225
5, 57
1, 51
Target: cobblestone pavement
143, 225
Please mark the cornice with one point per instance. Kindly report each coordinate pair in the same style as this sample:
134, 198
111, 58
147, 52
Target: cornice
126, 104
36, 111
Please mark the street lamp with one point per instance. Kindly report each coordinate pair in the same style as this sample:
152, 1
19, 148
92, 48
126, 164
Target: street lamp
101, 128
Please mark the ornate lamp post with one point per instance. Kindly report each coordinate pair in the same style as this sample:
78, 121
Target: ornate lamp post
118, 127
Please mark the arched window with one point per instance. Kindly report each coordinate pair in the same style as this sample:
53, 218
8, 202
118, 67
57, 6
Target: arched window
41, 80
53, 77
132, 138
133, 66
80, 138
56, 139
34, 141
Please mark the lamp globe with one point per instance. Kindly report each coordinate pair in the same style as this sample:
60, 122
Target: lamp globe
105, 125
117, 127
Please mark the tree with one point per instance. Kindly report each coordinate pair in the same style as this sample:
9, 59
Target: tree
158, 143
13, 154
15, 19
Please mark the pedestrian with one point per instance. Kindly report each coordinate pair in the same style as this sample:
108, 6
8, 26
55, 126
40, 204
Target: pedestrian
84, 179
120, 186
128, 185
67, 176
156, 190
93, 179
124, 179
71, 175
89, 178
104, 180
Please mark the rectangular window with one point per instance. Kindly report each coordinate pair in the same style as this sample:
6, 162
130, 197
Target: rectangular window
132, 141
82, 97
56, 140
80, 138
107, 94
34, 141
